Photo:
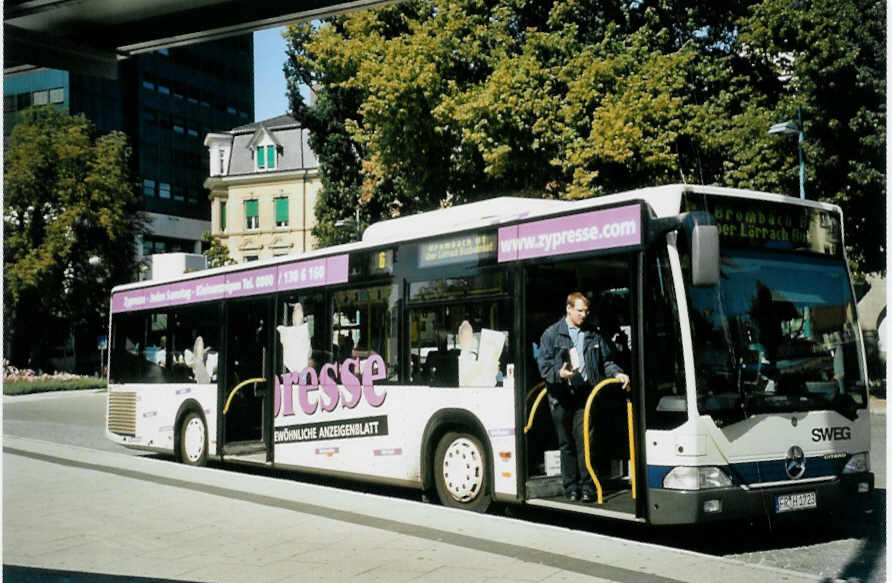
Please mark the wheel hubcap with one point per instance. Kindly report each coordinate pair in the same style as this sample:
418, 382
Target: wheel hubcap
193, 439
463, 470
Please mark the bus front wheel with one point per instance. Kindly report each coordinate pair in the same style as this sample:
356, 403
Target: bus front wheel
461, 468
193, 440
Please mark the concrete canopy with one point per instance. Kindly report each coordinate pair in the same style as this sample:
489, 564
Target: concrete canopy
90, 36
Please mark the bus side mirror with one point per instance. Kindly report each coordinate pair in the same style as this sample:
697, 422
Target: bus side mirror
700, 233
704, 255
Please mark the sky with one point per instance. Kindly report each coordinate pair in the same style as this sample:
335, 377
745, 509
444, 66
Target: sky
270, 98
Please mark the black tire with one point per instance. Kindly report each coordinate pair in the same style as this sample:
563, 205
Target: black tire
461, 472
193, 450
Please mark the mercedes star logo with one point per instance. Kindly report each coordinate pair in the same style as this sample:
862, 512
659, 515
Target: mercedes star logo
795, 463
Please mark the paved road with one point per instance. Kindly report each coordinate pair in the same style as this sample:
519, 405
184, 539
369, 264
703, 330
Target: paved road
839, 551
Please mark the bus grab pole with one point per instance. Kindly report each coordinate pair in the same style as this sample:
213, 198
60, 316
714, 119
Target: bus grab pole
585, 430
236, 389
535, 406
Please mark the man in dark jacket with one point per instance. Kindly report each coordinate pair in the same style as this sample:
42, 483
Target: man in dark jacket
570, 378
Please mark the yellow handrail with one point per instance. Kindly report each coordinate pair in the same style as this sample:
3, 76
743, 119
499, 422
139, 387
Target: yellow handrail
533, 410
586, 430
236, 389
587, 439
631, 447
535, 388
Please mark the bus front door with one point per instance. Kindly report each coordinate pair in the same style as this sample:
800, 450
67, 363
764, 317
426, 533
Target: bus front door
245, 382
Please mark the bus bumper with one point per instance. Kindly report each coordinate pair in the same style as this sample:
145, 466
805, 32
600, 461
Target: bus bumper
847, 494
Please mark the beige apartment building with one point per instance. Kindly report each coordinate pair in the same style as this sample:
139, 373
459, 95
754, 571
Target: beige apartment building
263, 183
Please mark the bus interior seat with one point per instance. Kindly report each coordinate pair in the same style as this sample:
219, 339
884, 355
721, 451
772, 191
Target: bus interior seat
442, 368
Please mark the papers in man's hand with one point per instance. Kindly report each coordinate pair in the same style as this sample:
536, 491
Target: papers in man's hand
575, 363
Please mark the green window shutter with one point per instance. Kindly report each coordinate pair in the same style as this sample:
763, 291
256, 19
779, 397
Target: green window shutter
251, 208
222, 216
282, 210
270, 157
259, 155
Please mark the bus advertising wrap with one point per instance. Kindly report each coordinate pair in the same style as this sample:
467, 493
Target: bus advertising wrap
603, 229
300, 274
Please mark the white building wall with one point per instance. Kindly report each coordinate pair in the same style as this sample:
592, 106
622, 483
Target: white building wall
178, 228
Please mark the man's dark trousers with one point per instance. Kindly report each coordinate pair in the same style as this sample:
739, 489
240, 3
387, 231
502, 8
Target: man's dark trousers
568, 416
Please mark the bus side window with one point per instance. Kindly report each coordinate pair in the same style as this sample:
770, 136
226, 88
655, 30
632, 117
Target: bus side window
127, 344
460, 345
298, 342
432, 349
194, 341
155, 353
365, 324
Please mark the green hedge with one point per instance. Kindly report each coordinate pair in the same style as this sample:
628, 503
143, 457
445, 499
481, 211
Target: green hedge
24, 387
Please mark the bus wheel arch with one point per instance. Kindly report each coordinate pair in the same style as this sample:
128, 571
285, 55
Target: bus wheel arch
456, 432
190, 436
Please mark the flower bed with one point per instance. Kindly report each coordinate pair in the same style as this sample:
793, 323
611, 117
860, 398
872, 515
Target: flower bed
22, 382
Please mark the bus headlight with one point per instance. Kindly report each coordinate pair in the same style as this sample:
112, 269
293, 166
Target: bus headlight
697, 478
860, 462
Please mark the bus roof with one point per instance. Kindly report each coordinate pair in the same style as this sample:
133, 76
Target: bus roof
663, 200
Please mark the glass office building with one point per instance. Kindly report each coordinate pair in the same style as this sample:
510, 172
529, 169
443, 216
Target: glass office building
167, 102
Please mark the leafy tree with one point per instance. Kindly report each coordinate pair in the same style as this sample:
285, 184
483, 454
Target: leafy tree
832, 56
217, 253
70, 220
431, 103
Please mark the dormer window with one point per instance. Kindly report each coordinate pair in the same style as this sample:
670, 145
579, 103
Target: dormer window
264, 149
266, 157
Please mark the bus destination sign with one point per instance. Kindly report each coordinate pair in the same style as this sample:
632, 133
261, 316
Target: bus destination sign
766, 224
457, 250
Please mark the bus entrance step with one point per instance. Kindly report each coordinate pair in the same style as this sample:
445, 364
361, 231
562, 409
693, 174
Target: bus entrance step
616, 505
244, 448
544, 487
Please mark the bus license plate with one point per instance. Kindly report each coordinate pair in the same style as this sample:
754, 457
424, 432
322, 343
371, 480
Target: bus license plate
800, 501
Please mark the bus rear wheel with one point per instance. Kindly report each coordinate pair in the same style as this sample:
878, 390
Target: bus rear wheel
193, 440
461, 468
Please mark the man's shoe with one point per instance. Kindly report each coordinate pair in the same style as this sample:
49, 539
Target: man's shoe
573, 497
588, 497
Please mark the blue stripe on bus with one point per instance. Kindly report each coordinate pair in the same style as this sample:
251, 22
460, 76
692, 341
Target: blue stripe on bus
760, 472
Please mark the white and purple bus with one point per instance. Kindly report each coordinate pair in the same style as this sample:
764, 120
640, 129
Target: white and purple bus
408, 358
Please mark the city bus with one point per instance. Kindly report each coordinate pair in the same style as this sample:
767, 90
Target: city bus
409, 358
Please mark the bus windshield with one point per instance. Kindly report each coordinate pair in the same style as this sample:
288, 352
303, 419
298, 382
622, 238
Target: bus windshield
778, 334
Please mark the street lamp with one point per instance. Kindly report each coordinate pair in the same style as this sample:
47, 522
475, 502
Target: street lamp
348, 223
789, 128
102, 340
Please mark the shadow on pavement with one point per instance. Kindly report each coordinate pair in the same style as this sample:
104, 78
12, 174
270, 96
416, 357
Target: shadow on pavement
17, 574
864, 563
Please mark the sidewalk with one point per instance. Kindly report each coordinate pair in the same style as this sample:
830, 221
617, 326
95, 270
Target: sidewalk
81, 510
